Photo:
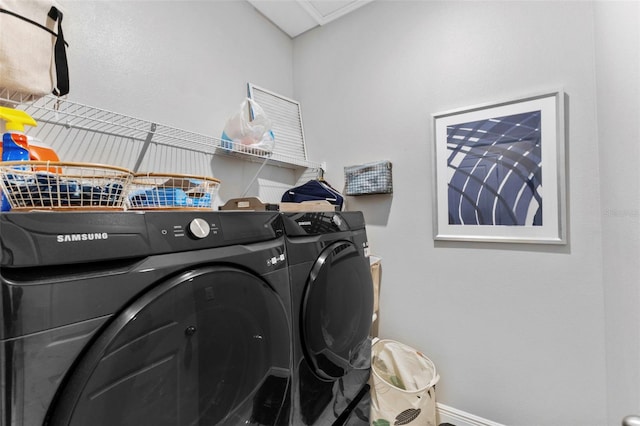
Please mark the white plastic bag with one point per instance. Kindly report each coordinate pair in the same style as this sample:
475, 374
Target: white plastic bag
403, 386
249, 129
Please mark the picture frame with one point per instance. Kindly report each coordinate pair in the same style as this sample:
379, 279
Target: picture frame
499, 171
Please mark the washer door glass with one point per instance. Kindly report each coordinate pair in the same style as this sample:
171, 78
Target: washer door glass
209, 347
337, 310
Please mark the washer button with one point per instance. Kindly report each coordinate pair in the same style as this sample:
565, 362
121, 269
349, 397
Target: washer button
199, 228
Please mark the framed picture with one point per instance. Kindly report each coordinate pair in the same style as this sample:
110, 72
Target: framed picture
499, 171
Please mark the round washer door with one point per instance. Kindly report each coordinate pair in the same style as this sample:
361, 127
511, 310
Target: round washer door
209, 347
336, 312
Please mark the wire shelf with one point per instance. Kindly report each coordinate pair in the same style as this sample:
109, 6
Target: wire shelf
72, 115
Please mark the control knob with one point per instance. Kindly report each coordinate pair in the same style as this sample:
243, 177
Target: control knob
199, 228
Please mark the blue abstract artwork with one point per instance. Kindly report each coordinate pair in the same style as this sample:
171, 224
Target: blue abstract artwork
494, 169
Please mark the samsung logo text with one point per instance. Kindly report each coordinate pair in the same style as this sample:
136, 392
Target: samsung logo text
72, 238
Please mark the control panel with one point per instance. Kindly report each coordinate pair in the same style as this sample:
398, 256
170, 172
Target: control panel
46, 238
193, 230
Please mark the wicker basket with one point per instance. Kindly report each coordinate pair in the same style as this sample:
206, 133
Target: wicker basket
35, 185
156, 191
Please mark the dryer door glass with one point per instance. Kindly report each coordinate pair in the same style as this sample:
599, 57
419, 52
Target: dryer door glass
210, 347
337, 310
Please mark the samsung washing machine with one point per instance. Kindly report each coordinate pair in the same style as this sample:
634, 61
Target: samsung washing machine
332, 297
144, 318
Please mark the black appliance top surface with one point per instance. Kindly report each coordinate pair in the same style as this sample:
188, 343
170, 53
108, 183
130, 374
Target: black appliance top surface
317, 223
57, 238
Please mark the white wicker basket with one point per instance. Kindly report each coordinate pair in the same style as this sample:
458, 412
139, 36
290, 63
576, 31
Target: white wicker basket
36, 185
158, 191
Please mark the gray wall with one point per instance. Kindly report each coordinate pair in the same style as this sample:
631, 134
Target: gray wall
185, 64
618, 93
517, 331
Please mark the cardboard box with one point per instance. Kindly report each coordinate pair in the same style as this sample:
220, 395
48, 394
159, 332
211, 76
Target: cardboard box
308, 206
376, 273
248, 204
376, 277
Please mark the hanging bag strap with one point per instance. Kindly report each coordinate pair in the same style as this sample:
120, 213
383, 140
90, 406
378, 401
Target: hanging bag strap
60, 53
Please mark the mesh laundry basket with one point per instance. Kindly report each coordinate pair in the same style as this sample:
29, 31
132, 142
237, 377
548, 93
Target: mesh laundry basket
403, 386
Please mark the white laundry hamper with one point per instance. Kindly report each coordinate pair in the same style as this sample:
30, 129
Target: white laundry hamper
403, 386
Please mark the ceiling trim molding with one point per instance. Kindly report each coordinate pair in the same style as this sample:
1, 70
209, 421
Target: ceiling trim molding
321, 19
295, 17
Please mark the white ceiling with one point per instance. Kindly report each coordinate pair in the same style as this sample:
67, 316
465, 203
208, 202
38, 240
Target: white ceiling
297, 16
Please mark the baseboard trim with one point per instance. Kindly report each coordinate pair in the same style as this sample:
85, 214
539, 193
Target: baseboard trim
457, 417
